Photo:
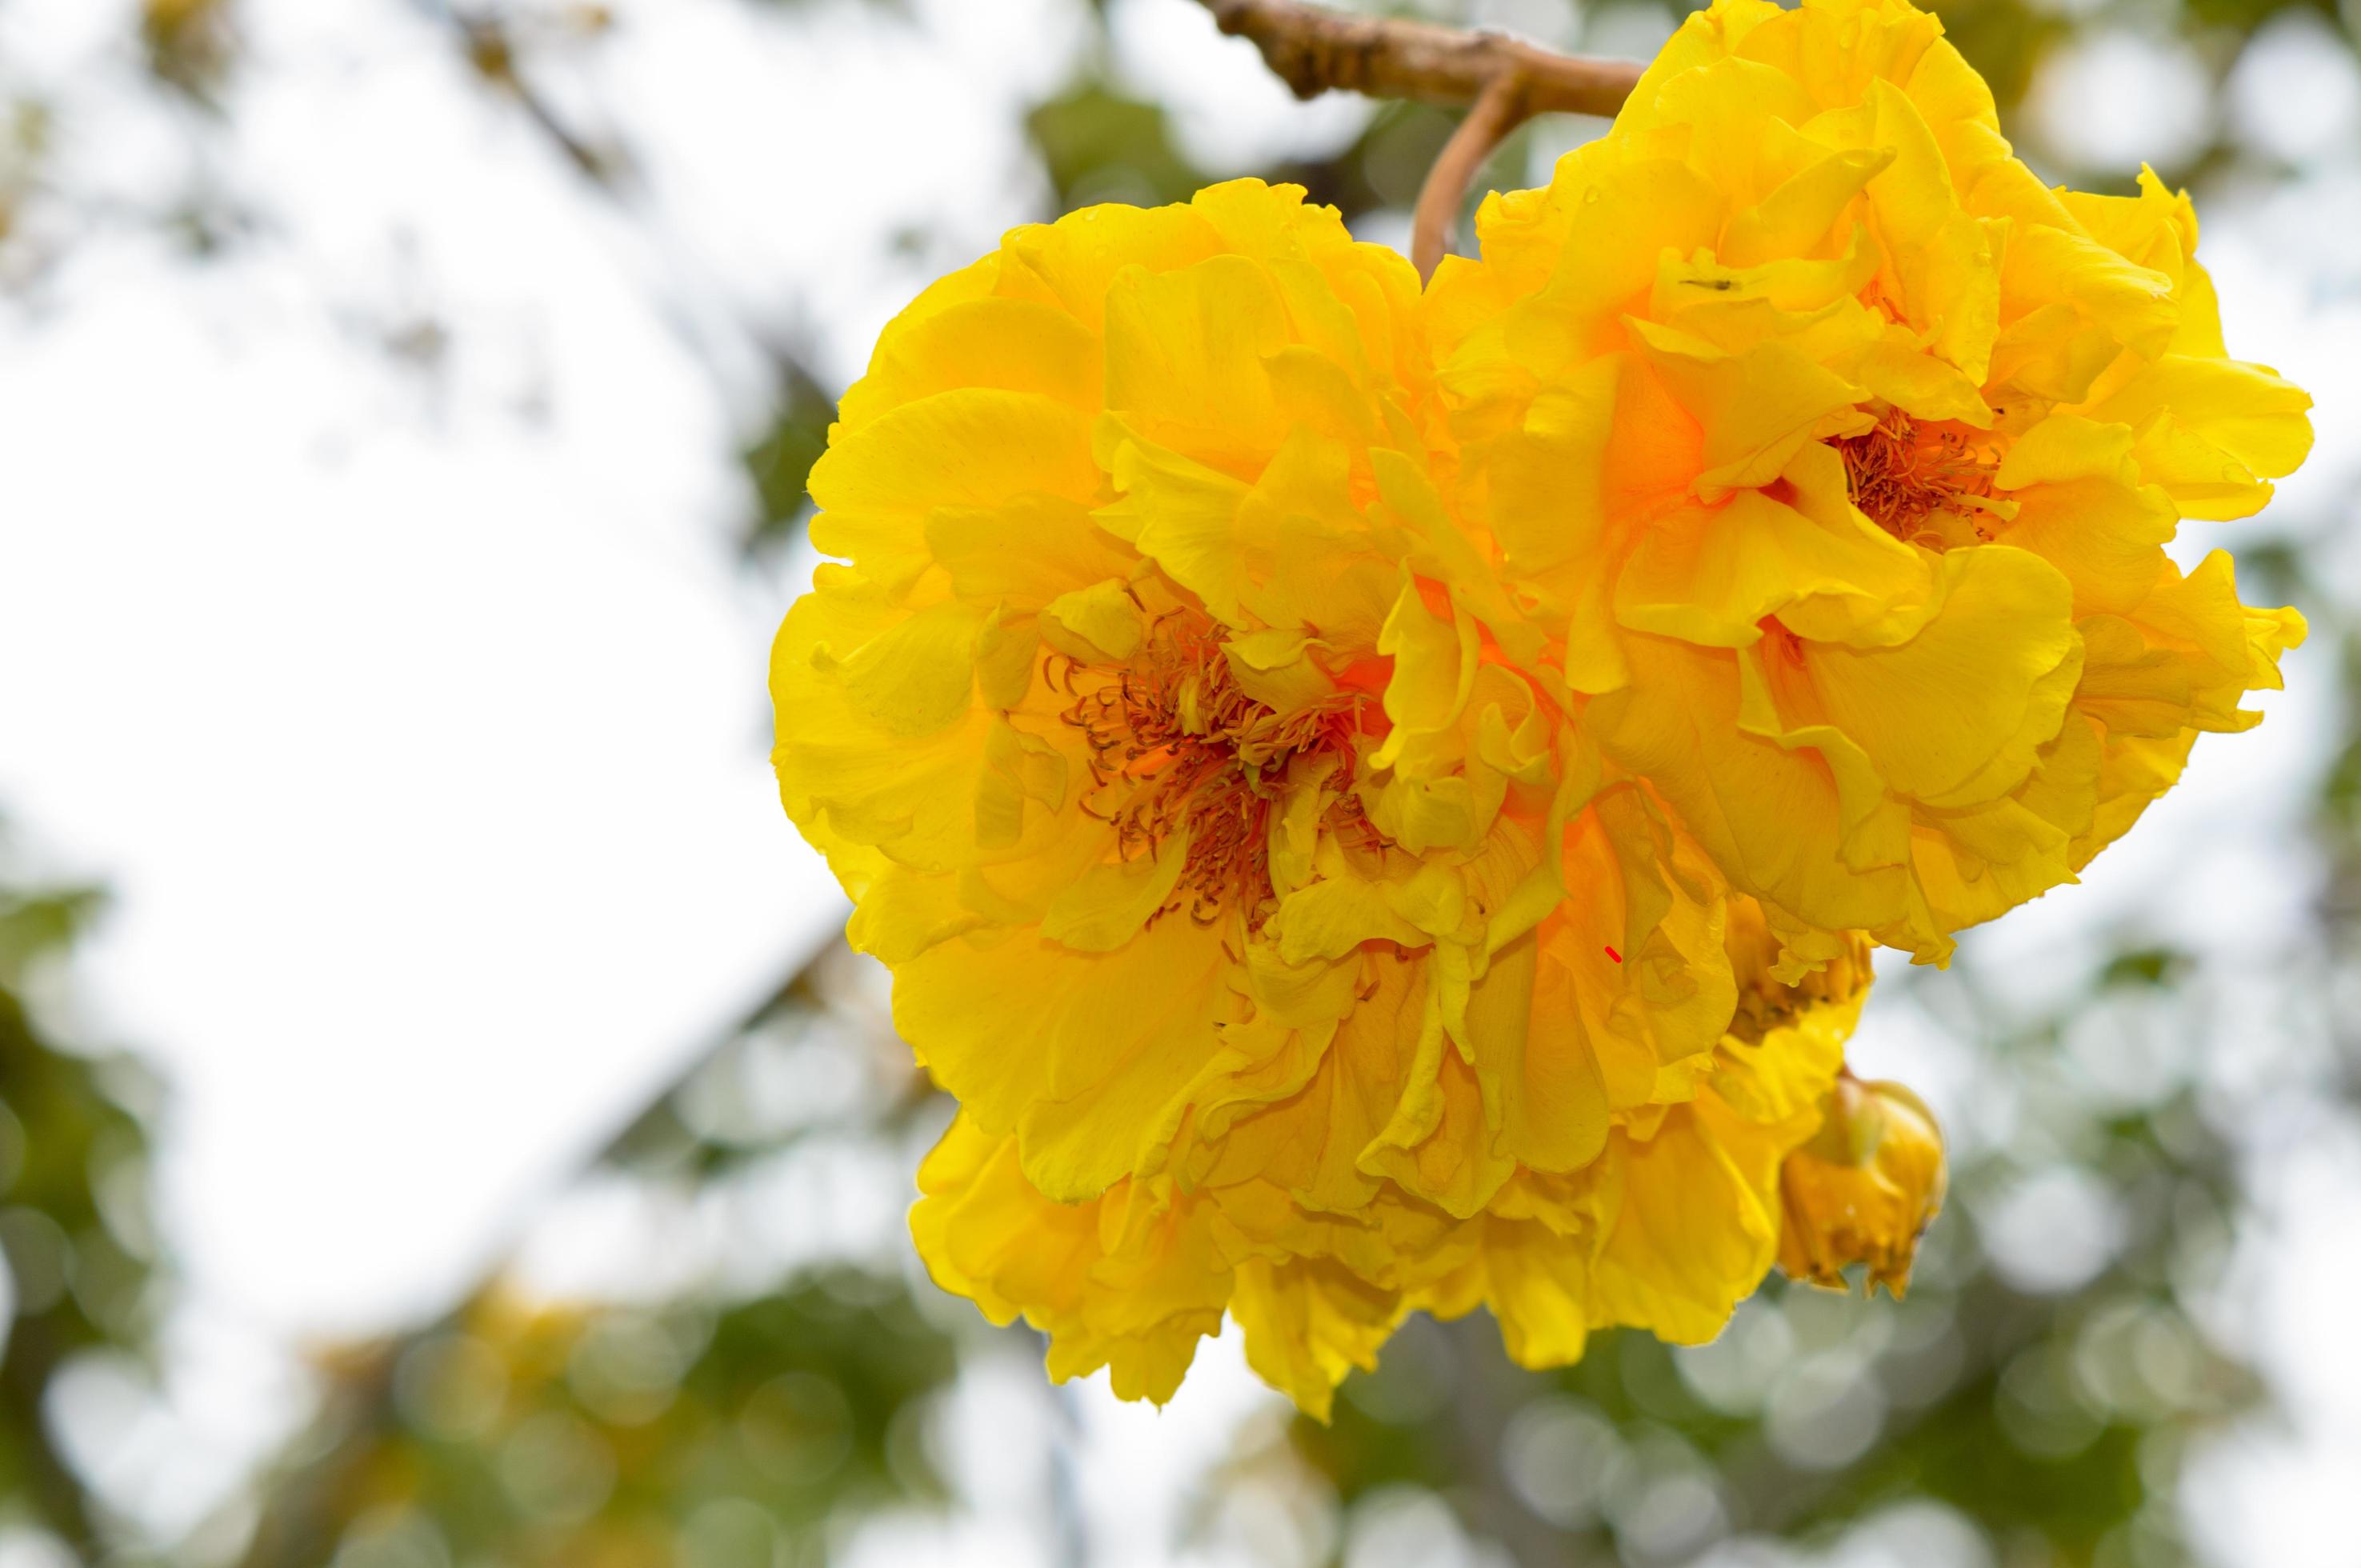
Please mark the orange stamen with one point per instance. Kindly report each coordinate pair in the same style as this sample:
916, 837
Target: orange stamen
1921, 482
1193, 752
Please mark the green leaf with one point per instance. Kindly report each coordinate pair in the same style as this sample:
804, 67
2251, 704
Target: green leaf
780, 462
1099, 145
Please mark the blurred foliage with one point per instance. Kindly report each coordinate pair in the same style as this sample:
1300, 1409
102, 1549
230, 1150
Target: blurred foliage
191, 44
581, 1436
75, 1232
1098, 145
887, 7
780, 463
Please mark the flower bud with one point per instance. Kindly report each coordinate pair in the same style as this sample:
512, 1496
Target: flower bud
1864, 1189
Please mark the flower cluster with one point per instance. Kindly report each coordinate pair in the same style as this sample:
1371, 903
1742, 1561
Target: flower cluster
1380, 801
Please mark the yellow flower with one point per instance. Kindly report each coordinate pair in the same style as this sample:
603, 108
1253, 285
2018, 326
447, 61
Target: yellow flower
1288, 947
1836, 457
1864, 1190
1377, 803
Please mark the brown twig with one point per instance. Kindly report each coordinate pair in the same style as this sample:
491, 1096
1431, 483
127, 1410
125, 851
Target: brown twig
493, 54
1501, 109
1316, 50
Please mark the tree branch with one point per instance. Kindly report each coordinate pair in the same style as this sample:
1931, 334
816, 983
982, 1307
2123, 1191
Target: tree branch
1317, 50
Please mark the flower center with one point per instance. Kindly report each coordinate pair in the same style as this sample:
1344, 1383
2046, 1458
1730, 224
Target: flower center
1176, 745
1924, 483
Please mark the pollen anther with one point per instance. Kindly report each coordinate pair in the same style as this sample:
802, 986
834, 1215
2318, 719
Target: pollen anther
1924, 482
1185, 749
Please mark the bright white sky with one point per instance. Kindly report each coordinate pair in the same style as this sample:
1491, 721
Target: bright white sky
416, 719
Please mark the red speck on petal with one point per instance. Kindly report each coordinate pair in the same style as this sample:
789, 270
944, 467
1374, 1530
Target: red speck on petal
1616, 956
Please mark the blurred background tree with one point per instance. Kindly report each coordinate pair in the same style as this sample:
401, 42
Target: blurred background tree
703, 1354
75, 1230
